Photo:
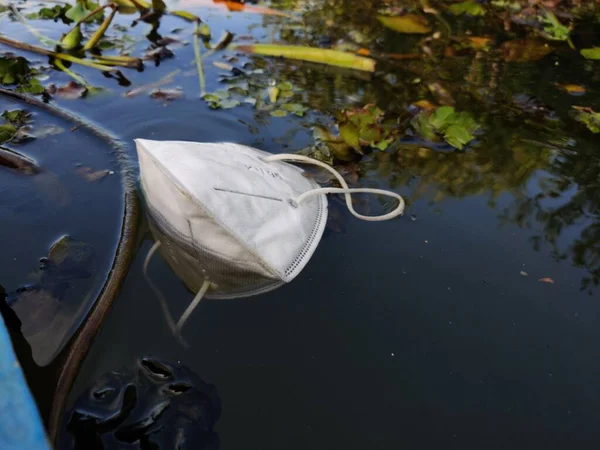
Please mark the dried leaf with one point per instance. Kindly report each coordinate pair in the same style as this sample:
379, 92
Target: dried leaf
573, 89
525, 50
70, 91
547, 280
167, 94
409, 23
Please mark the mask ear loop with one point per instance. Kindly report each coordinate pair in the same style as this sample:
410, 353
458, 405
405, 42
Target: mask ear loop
345, 189
175, 328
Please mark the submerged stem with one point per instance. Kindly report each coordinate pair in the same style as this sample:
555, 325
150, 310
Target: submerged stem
198, 58
91, 43
72, 74
40, 37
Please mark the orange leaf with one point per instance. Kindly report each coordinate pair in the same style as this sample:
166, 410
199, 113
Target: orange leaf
547, 280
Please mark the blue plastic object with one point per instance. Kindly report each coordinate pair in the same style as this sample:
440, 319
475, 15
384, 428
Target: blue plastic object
20, 423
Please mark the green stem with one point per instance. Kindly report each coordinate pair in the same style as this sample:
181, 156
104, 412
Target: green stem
58, 63
198, 58
63, 56
91, 43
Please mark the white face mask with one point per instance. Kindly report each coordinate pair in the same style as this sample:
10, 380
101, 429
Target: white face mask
235, 221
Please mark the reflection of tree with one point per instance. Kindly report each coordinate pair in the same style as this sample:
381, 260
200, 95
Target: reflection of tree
574, 183
521, 138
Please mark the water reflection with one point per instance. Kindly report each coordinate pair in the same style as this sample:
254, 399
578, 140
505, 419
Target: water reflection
156, 404
529, 146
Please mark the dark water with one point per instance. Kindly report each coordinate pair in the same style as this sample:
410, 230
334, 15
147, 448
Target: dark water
429, 330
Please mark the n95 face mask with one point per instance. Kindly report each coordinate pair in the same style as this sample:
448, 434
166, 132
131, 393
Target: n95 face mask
235, 221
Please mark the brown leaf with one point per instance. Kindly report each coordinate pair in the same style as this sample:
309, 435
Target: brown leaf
408, 23
167, 94
524, 50
573, 89
440, 93
547, 280
70, 91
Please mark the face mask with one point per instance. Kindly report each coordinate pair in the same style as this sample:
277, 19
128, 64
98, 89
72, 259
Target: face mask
234, 221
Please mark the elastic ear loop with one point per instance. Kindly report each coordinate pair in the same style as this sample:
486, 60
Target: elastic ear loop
175, 327
346, 190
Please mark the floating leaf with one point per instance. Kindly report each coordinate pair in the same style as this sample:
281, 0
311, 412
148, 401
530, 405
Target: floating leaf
553, 29
409, 23
295, 108
350, 134
167, 94
279, 113
82, 9
589, 117
16, 117
573, 89
469, 7
591, 53
440, 117
546, 280
311, 54
71, 91
479, 42
54, 13
456, 128
525, 50
7, 132
457, 136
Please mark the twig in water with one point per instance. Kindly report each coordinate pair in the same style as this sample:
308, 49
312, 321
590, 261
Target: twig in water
198, 58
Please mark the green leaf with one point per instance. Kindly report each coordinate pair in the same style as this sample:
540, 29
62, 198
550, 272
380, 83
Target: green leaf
457, 136
81, 9
421, 123
591, 53
16, 117
464, 120
295, 108
370, 134
469, 7
441, 117
409, 23
54, 13
72, 39
32, 86
350, 134
279, 113
211, 98
7, 132
285, 86
554, 29
383, 145
590, 118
